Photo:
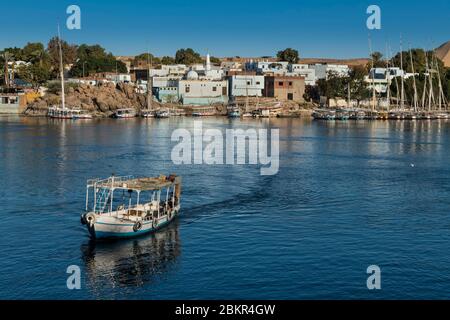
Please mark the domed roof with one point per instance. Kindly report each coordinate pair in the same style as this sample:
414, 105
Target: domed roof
192, 75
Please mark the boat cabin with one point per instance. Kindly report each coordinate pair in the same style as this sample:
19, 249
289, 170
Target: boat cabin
134, 199
125, 113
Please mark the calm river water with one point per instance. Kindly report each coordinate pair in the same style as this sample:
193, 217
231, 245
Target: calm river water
348, 195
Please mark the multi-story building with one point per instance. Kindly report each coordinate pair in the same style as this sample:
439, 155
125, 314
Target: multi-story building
195, 91
381, 77
246, 85
304, 70
285, 88
264, 67
323, 70
165, 89
175, 69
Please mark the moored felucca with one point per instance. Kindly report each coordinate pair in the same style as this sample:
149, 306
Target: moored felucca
146, 204
60, 112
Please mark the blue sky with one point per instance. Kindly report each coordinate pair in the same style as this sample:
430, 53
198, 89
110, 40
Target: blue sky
320, 28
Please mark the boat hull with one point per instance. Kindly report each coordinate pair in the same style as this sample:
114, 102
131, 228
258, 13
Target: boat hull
106, 227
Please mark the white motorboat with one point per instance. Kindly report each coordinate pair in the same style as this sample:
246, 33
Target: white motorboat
124, 207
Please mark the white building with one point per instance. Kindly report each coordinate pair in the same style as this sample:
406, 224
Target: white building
158, 73
380, 77
88, 81
120, 77
195, 91
169, 81
169, 70
304, 70
208, 71
175, 69
322, 70
262, 67
231, 66
246, 85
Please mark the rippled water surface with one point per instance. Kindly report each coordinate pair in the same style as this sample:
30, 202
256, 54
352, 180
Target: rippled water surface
347, 195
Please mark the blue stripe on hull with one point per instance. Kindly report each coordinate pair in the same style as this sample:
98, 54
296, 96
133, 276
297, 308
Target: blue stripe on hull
110, 235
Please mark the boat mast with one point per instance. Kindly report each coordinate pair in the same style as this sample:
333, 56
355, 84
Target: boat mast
397, 97
61, 69
349, 94
246, 93
424, 94
430, 78
373, 74
414, 80
6, 71
149, 84
388, 75
441, 91
402, 93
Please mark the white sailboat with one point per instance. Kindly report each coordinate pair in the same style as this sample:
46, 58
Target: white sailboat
149, 112
61, 112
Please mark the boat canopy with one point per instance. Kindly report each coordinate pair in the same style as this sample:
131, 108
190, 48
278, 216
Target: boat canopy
135, 184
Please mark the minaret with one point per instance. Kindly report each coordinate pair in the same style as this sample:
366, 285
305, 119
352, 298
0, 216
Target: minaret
208, 62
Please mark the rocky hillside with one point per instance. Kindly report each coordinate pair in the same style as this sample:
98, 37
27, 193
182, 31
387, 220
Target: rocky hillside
100, 100
443, 53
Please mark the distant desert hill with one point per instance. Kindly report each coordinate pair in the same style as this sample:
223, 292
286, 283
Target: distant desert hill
349, 62
443, 53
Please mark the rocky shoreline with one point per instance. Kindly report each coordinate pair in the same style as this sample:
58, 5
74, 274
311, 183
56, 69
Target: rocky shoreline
101, 101
104, 99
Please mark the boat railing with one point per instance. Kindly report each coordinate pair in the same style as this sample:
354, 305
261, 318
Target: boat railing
98, 181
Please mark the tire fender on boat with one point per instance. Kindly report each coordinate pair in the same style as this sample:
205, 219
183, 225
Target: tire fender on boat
154, 224
83, 219
137, 226
90, 218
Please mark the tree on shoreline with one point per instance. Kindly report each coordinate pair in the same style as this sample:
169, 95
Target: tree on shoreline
95, 59
69, 54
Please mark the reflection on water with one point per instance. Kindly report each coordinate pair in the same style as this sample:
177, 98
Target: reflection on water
131, 263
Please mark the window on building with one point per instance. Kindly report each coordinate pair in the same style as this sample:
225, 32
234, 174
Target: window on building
280, 83
214, 89
290, 83
290, 96
249, 83
258, 83
188, 89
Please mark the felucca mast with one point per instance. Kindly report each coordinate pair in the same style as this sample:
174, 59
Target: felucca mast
149, 84
61, 69
430, 78
402, 93
388, 75
424, 94
414, 81
442, 99
373, 74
